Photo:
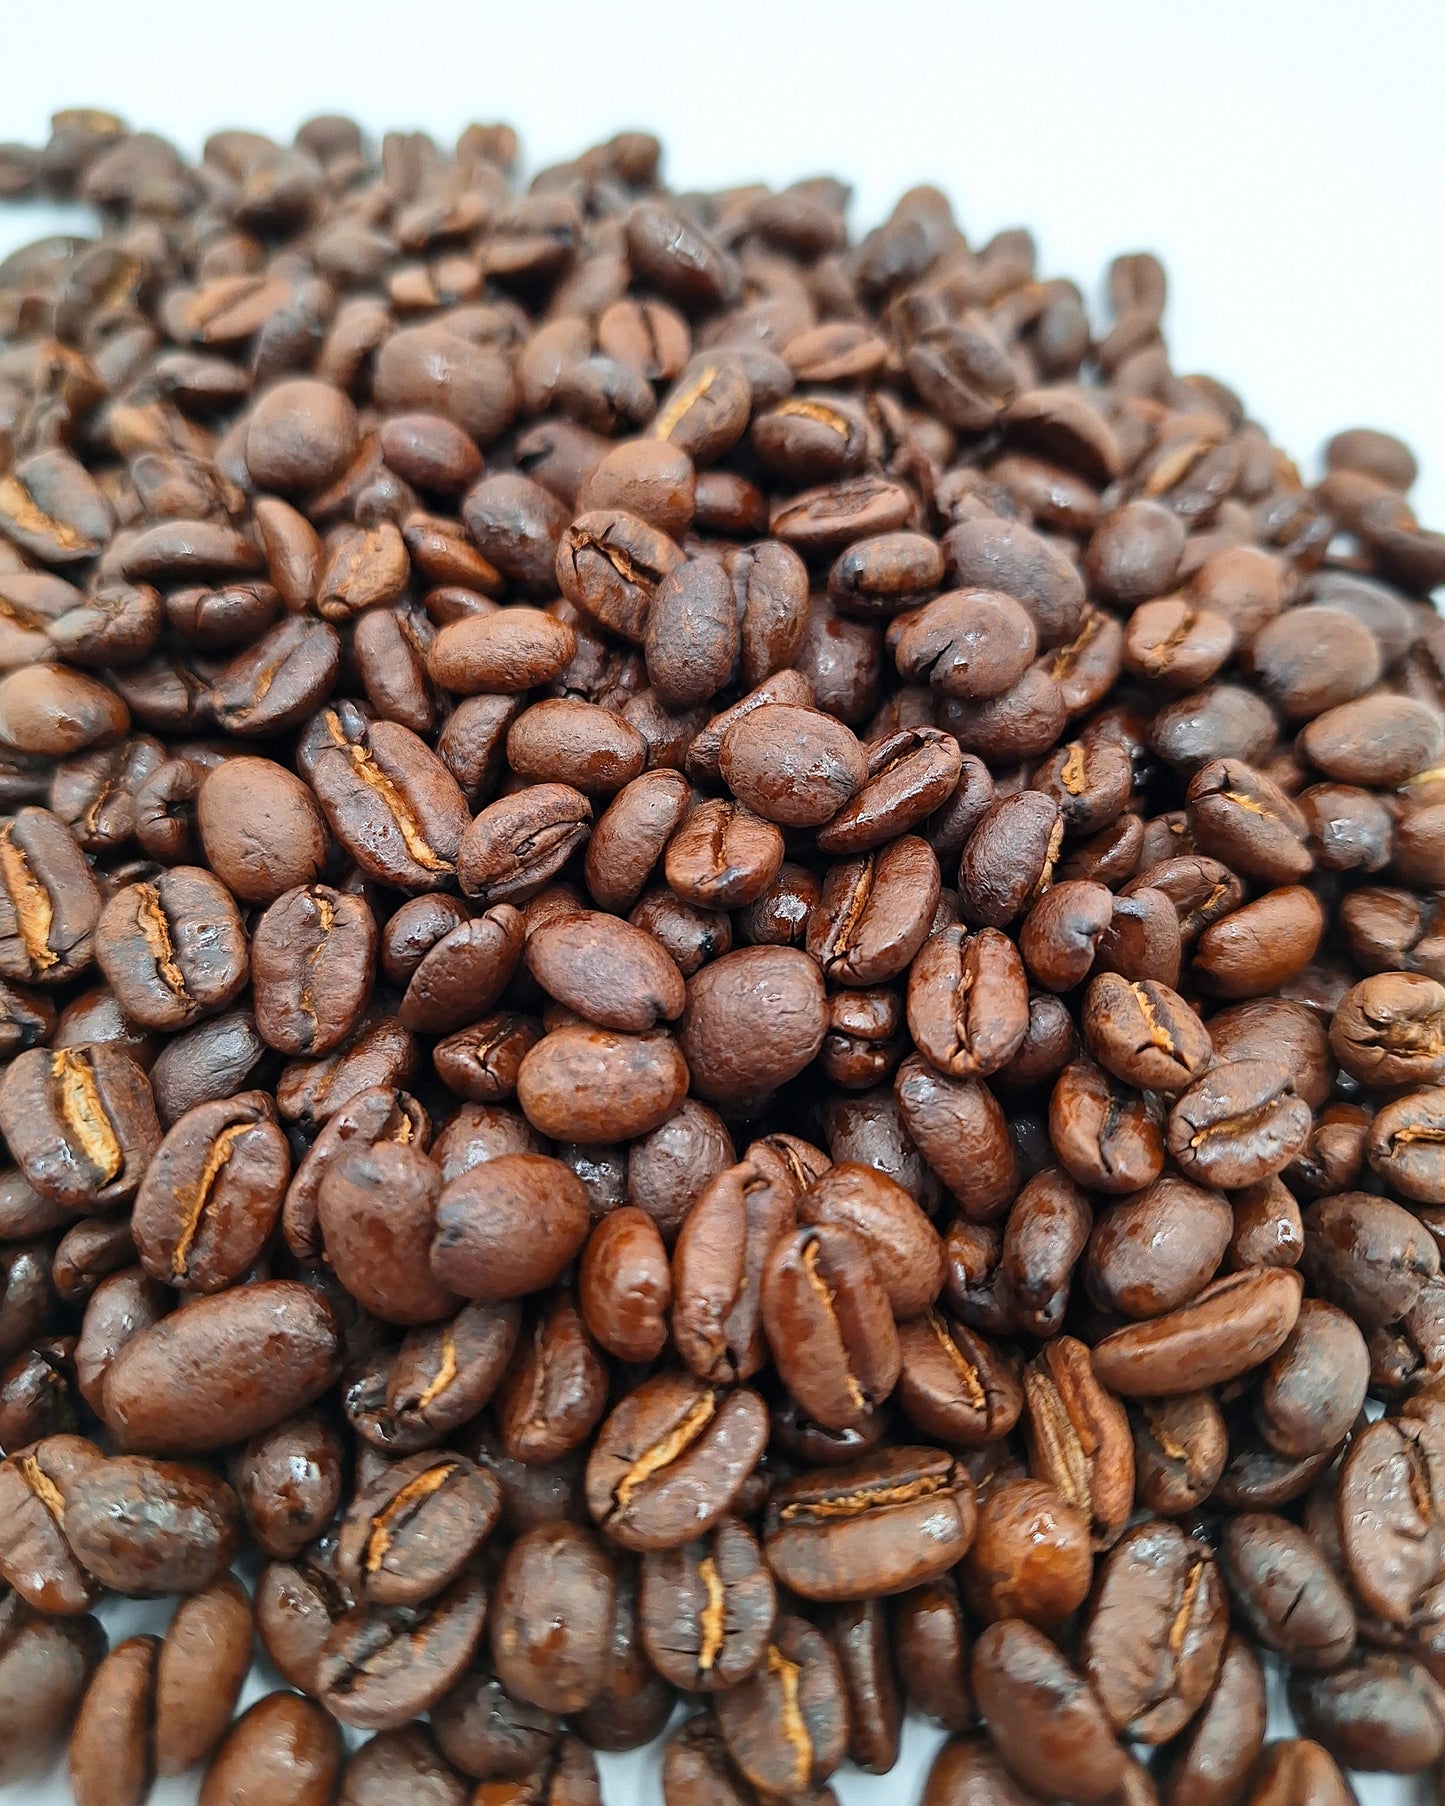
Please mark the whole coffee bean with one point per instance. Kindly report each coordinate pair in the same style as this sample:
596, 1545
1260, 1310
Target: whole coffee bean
402, 1764
880, 1525
80, 1123
968, 1001
1231, 1326
509, 1226
1390, 1515
555, 1574
1379, 740
1390, 1030
1046, 1720
961, 1131
1154, 1251
671, 1460
777, 985
829, 1324
1367, 1255
1009, 857
1156, 1631
593, 1085
614, 974
49, 902
199, 1673
110, 1748
379, 1666
440, 1376
377, 1209
1030, 1557
1314, 1387
624, 1285
35, 1557
707, 1609
486, 1733
875, 913
723, 1243
1382, 1712
142, 1526
412, 1530
173, 950
668, 1168
212, 1193
1285, 1592
281, 1747
288, 1479
1239, 1123
45, 1667
954, 1384
1078, 1437
1107, 1137
520, 842
220, 1369
905, 1249
787, 1726
1180, 1448
722, 856
1144, 1033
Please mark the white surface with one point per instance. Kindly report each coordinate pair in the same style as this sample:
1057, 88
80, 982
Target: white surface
1287, 160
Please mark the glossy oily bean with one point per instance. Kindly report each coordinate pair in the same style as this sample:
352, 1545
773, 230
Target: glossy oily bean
1030, 1557
594, 1085
509, 1226
777, 985
559, 1570
968, 1001
281, 1742
1285, 1593
313, 956
881, 1525
212, 1193
80, 1123
414, 1528
1045, 1719
145, 1527
1077, 1436
1238, 1124
706, 1610
1232, 1325
787, 1726
1144, 1033
1152, 1252
174, 950
671, 1459
1156, 1631
828, 1322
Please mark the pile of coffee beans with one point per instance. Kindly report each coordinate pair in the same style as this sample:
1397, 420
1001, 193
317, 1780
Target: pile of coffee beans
723, 1005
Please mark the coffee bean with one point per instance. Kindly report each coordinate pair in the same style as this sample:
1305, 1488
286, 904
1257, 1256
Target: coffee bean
1045, 1719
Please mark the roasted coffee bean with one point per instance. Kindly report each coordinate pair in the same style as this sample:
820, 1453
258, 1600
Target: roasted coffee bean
828, 1322
174, 950
509, 1226
880, 1525
671, 1460
212, 1193
1144, 1033
80, 1123
1180, 1448
1285, 1592
707, 1609
142, 1526
1078, 1436
288, 1479
49, 903
1230, 1326
404, 1763
1156, 1631
379, 1667
954, 1384
280, 1743
968, 1001
1046, 1721
557, 1574
1108, 1138
1239, 1123
1030, 1557
787, 1726
250, 1356
415, 1527
1368, 1255
1152, 1252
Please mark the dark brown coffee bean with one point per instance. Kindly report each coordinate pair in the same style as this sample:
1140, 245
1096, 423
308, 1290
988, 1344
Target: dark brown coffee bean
212, 1193
110, 1747
1030, 1557
1284, 1591
252, 1356
173, 950
787, 1726
1107, 1137
828, 1322
707, 1609
1046, 1720
146, 1527
280, 1743
519, 843
557, 1573
671, 1460
1145, 1034
509, 1226
80, 1122
1383, 1712
1160, 1598
199, 1673
1231, 1326
1238, 1124
1078, 1437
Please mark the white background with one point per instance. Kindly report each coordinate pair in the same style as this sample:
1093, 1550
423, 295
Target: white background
1286, 157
